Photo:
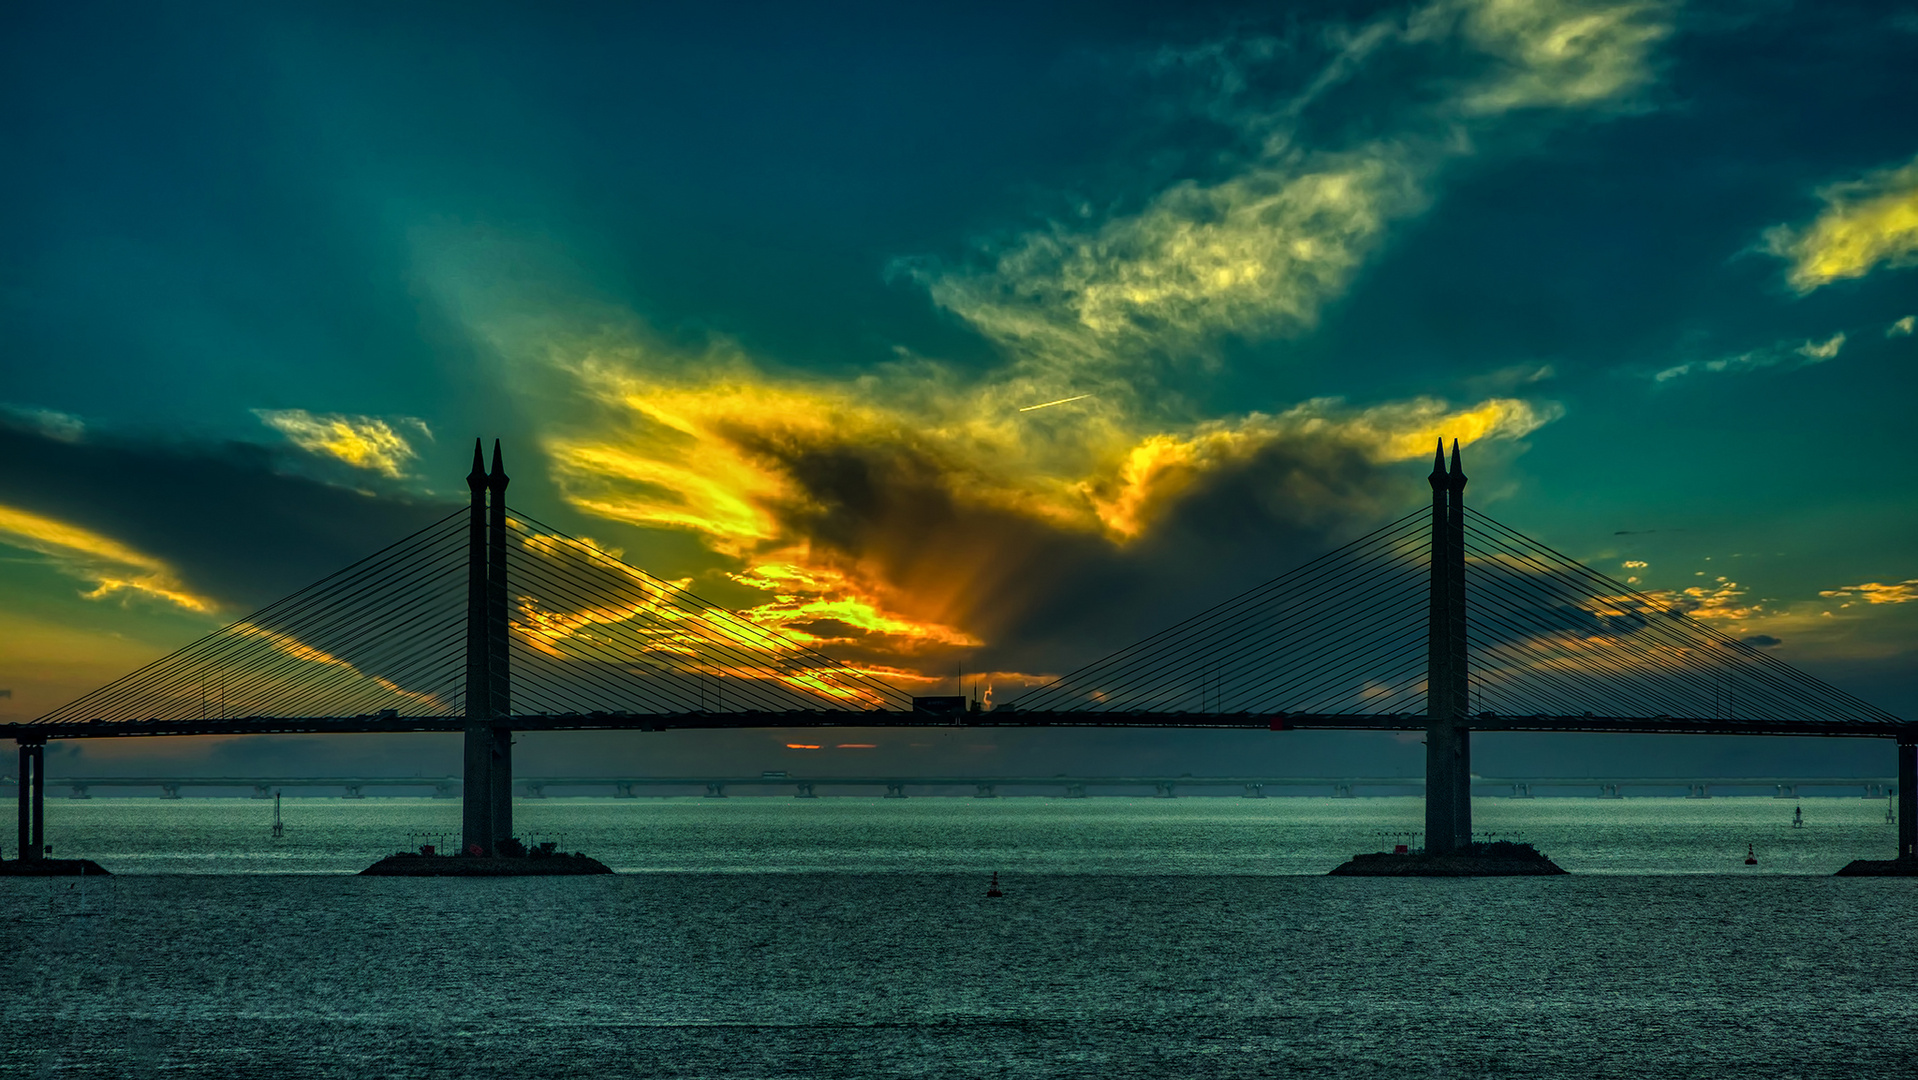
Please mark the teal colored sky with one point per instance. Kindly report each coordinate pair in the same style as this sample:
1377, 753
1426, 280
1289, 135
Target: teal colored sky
758, 296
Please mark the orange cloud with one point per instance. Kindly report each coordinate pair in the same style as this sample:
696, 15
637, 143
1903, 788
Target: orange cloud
1872, 592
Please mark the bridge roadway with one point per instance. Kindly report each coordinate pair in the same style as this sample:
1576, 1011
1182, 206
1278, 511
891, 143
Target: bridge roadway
985, 786
1004, 716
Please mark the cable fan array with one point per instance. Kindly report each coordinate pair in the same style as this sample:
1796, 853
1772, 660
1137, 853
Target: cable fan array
1552, 637
594, 634
384, 633
1345, 633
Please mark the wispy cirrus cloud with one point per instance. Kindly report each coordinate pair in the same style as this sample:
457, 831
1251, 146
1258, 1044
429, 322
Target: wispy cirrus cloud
114, 569
1263, 250
364, 442
1867, 222
1802, 354
1902, 327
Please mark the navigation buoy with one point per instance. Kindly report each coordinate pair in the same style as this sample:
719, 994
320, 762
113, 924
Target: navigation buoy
1751, 859
992, 890
1797, 817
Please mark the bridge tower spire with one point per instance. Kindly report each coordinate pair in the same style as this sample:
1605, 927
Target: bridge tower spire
1448, 747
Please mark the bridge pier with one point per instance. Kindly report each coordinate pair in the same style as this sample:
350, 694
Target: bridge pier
1609, 791
31, 781
1164, 791
169, 791
1255, 791
262, 791
1908, 796
987, 791
715, 791
895, 791
1075, 791
535, 791
1521, 791
623, 791
353, 792
1786, 791
79, 792
1342, 791
1700, 791
805, 792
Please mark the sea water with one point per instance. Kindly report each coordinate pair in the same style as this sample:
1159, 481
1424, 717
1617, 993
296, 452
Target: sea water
774, 937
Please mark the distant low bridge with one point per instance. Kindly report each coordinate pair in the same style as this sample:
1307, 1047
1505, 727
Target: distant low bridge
1072, 787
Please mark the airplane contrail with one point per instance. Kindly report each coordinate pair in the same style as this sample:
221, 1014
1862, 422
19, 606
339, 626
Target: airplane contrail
1050, 404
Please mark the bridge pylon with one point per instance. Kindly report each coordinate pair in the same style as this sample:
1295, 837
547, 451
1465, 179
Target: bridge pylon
1448, 734
487, 811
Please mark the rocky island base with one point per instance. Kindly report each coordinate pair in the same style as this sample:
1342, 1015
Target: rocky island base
512, 860
52, 868
1903, 866
1499, 859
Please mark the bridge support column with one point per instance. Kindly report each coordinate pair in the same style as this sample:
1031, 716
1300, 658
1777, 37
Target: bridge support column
79, 792
805, 792
987, 791
895, 791
1908, 796
1075, 791
261, 791
715, 791
1448, 736
1255, 791
623, 791
486, 811
31, 779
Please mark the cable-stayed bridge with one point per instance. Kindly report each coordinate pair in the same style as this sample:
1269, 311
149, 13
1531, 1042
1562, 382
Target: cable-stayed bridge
488, 622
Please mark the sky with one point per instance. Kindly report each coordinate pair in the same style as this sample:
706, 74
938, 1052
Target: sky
958, 337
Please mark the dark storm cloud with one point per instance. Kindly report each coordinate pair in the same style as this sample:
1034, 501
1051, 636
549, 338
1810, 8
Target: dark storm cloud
231, 518
1047, 596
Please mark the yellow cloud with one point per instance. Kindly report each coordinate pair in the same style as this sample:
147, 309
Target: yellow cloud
299, 650
113, 567
1259, 253
1161, 466
364, 442
1903, 327
1867, 222
1872, 592
1559, 54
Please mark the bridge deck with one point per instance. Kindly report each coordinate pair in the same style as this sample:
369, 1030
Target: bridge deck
997, 718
